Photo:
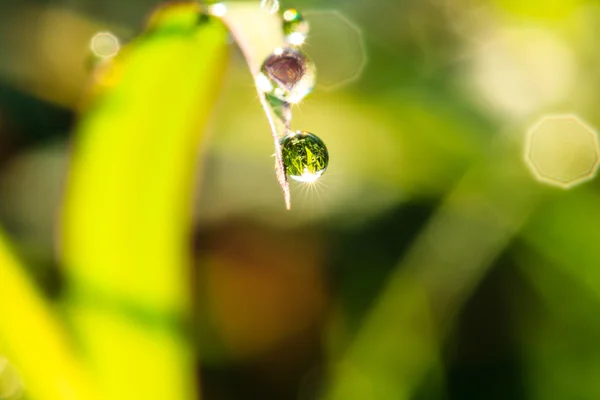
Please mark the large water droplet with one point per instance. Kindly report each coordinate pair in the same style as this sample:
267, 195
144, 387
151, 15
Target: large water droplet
295, 27
305, 156
288, 75
271, 6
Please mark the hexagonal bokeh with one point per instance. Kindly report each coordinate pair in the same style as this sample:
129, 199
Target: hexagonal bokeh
562, 150
105, 45
336, 46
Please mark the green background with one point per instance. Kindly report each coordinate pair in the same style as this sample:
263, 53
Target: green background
427, 263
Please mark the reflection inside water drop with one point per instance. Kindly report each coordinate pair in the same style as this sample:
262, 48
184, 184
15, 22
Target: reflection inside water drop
281, 109
305, 156
287, 74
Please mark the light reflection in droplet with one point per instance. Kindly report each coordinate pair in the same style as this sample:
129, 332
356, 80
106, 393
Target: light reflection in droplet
288, 75
305, 156
295, 27
562, 150
295, 38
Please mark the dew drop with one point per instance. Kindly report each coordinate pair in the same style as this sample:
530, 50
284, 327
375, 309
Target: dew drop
295, 27
304, 155
287, 74
281, 109
271, 6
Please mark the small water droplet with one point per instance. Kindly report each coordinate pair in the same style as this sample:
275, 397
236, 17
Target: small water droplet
281, 109
295, 27
288, 75
305, 156
271, 6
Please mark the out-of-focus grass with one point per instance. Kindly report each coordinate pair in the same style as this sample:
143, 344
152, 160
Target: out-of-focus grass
126, 220
437, 118
125, 225
33, 340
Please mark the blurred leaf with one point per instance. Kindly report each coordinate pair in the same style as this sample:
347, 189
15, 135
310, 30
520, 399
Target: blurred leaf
561, 230
400, 340
32, 340
558, 337
126, 221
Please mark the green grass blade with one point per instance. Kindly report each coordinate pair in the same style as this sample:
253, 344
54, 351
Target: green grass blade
32, 339
126, 222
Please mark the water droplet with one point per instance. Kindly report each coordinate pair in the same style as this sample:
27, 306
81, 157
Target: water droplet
305, 156
295, 27
271, 6
281, 109
288, 75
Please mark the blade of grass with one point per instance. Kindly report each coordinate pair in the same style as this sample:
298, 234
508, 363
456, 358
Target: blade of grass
258, 33
401, 337
32, 339
127, 215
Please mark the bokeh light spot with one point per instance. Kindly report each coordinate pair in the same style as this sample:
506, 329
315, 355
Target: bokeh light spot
218, 10
337, 47
105, 45
521, 70
562, 150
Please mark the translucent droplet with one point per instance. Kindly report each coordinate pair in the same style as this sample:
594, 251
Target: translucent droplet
271, 6
305, 156
288, 75
281, 109
295, 27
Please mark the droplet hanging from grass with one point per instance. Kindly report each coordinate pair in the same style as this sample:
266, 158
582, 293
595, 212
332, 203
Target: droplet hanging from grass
305, 156
295, 27
281, 109
271, 6
287, 74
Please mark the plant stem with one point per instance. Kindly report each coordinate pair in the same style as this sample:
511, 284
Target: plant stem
255, 49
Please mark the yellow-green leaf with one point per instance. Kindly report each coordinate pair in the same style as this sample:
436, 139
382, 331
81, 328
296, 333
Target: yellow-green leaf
127, 217
33, 340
